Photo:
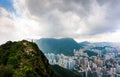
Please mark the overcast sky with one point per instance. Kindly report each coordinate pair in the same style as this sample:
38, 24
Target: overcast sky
83, 20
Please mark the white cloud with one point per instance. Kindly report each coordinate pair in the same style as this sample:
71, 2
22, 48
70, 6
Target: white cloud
19, 25
92, 20
6, 25
106, 37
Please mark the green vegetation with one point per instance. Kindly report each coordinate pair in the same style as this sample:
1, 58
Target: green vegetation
6, 71
118, 55
91, 53
64, 72
23, 59
103, 49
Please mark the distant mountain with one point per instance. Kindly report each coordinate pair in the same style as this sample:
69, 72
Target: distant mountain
102, 44
58, 46
23, 59
62, 72
84, 43
105, 44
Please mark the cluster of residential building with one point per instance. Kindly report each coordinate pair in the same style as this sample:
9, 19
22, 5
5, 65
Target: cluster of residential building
61, 60
97, 66
102, 65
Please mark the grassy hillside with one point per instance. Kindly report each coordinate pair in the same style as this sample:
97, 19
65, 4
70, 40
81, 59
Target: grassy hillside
64, 72
23, 59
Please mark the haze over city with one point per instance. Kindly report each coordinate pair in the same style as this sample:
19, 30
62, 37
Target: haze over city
83, 20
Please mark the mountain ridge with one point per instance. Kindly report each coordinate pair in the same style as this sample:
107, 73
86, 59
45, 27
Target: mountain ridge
62, 72
23, 59
64, 46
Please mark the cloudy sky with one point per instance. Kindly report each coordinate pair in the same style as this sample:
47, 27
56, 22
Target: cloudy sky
83, 20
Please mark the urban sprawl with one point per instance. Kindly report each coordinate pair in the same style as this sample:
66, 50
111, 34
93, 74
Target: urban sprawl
105, 64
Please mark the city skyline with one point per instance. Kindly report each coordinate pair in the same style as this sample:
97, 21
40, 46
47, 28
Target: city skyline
83, 20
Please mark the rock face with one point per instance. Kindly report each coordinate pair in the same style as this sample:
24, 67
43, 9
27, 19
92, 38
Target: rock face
23, 59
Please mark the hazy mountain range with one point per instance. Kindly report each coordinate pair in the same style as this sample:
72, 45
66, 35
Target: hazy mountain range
66, 46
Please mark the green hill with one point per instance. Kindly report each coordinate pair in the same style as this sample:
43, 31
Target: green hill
84, 43
62, 72
58, 46
23, 59
90, 53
